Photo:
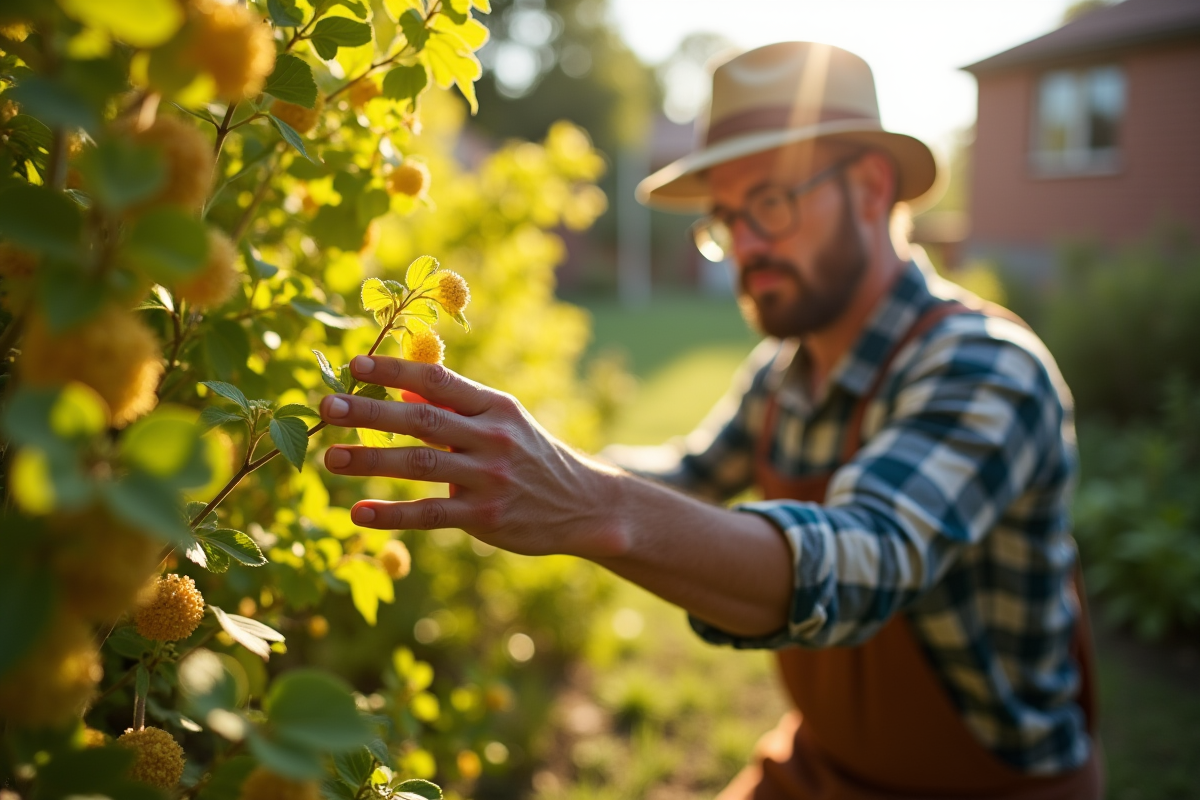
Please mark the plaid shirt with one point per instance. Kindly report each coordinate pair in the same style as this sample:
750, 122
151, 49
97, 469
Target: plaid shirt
954, 512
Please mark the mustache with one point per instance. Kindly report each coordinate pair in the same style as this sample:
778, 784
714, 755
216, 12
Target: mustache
763, 264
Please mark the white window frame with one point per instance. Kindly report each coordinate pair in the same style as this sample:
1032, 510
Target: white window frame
1079, 158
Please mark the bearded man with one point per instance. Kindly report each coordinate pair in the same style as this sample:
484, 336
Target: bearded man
912, 563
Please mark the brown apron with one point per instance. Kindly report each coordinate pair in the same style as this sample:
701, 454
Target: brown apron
874, 721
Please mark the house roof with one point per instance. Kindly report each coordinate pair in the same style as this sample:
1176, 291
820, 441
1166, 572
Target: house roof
1125, 24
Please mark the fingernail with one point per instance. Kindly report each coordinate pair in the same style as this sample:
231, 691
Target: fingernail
364, 365
364, 515
338, 407
337, 457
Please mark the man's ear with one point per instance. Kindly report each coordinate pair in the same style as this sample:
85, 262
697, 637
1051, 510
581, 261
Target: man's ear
874, 178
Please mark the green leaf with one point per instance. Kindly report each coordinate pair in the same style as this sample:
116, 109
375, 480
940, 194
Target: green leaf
324, 314
29, 139
27, 602
120, 173
378, 299
213, 417
461, 320
451, 61
290, 435
327, 373
259, 269
284, 757
371, 204
126, 641
292, 80
415, 32
38, 219
334, 32
55, 104
355, 766
252, 635
379, 751
291, 137
369, 585
168, 244
338, 226
67, 297
419, 788
211, 558
141, 23
78, 412
226, 347
225, 781
166, 444
405, 82
419, 271
150, 505
295, 410
236, 544
229, 392
356, 8
372, 390
426, 310
373, 438
285, 15
315, 709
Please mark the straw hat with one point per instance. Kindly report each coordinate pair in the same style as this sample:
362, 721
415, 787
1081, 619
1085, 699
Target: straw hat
783, 94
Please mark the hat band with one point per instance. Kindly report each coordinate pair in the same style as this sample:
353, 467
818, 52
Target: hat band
763, 118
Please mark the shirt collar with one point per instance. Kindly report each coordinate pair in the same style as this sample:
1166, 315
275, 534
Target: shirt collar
908, 298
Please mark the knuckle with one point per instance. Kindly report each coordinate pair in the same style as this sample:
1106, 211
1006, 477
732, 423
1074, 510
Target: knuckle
371, 410
422, 461
501, 437
433, 515
437, 376
490, 514
426, 419
371, 457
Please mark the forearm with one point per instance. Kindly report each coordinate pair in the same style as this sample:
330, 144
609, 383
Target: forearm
730, 569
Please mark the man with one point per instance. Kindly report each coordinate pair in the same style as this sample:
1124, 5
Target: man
912, 563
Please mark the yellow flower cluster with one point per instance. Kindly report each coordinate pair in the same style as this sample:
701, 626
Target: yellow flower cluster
94, 738
423, 346
189, 161
54, 680
170, 610
395, 559
262, 784
101, 564
362, 92
113, 352
410, 178
158, 758
300, 118
232, 44
217, 279
452, 291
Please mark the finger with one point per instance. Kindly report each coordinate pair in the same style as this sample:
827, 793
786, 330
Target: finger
410, 463
433, 382
426, 422
422, 515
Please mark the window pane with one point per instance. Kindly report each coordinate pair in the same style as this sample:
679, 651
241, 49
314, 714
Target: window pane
1058, 105
1106, 105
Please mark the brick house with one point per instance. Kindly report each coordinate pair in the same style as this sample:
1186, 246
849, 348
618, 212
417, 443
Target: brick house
1091, 132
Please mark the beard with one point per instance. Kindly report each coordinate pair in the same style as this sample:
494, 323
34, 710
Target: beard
837, 270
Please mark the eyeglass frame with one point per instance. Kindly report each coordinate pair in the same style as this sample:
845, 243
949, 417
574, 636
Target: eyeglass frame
704, 224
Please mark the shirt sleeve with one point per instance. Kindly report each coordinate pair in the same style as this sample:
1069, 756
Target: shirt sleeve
716, 460
975, 421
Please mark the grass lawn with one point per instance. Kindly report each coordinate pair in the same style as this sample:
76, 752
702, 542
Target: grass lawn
656, 713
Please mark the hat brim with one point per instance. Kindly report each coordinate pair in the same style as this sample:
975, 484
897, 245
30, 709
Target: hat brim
683, 187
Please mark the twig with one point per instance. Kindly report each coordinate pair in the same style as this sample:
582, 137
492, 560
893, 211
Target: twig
248, 215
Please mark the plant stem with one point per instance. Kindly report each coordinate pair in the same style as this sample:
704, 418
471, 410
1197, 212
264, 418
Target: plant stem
176, 345
223, 129
139, 713
120, 683
248, 215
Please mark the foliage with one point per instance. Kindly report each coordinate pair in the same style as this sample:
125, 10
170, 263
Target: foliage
1138, 517
193, 204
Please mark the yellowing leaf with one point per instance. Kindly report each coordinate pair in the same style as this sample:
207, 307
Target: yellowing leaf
472, 33
451, 62
32, 485
377, 299
78, 411
396, 8
141, 23
483, 5
419, 271
369, 584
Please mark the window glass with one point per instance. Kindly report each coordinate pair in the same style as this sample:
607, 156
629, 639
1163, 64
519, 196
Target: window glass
1078, 120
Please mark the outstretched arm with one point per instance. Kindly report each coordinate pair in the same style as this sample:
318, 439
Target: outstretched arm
515, 486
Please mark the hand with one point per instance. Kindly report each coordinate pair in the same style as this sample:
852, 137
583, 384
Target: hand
512, 484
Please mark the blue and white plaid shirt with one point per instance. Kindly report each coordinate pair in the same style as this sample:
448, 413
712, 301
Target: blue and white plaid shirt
956, 511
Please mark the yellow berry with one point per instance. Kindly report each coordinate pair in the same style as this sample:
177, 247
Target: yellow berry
113, 352
300, 118
262, 784
94, 738
230, 43
423, 346
362, 93
158, 758
395, 559
100, 564
318, 627
170, 610
410, 178
217, 279
188, 157
52, 682
452, 291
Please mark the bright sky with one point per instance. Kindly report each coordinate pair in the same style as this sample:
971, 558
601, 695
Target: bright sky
914, 47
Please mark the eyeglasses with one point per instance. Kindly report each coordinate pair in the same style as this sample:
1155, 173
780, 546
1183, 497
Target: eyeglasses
770, 211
